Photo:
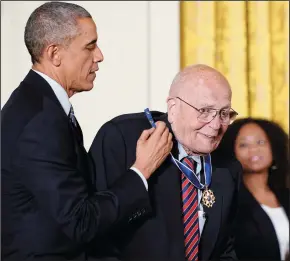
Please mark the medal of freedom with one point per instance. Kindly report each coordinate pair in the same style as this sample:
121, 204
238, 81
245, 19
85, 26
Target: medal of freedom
208, 198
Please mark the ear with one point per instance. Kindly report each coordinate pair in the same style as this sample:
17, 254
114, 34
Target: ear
171, 109
53, 53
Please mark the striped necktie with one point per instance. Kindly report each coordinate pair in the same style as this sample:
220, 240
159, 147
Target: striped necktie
190, 214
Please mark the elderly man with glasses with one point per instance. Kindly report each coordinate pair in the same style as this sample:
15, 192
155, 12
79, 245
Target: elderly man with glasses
194, 192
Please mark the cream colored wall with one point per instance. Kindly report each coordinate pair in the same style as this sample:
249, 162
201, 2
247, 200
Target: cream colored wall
140, 43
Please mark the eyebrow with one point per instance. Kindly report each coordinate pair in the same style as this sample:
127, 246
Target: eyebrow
92, 42
242, 139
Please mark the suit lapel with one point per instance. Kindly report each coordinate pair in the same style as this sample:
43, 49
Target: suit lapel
266, 228
283, 196
77, 131
170, 205
212, 223
170, 192
84, 162
262, 220
41, 86
167, 190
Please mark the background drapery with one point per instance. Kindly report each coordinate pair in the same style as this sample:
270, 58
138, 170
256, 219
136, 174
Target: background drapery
248, 41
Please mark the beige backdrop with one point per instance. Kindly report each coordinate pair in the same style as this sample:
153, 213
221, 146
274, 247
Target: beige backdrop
140, 44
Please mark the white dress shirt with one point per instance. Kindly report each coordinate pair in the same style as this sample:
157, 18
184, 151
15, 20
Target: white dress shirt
201, 213
63, 98
281, 225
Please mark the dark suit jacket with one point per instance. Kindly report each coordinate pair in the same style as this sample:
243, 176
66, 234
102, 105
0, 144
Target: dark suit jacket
159, 236
256, 238
50, 207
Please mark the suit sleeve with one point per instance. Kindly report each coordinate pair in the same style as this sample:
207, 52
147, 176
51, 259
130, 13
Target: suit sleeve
45, 162
112, 155
228, 251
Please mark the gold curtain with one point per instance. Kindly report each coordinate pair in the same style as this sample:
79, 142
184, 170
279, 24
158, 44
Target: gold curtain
248, 41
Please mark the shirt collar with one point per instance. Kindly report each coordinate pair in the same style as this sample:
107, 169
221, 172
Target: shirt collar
182, 154
58, 90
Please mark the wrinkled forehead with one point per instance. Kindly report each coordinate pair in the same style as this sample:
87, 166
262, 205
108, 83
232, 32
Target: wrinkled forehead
208, 93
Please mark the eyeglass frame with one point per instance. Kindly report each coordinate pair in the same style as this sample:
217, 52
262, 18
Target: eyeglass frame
216, 110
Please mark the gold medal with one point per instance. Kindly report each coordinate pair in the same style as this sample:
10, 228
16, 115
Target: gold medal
208, 198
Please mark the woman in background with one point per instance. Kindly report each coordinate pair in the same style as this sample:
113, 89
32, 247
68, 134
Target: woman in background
262, 229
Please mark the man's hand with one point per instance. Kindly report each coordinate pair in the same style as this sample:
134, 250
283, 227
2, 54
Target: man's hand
153, 147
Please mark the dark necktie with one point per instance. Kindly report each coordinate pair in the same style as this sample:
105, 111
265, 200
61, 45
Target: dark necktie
76, 128
190, 214
72, 117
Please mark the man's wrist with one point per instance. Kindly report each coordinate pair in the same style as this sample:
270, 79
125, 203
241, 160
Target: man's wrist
138, 172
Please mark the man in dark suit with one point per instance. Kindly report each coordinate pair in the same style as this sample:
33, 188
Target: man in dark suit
50, 207
193, 211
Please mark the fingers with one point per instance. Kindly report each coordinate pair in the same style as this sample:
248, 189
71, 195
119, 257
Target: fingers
165, 134
160, 128
157, 132
146, 134
169, 142
153, 147
169, 138
161, 132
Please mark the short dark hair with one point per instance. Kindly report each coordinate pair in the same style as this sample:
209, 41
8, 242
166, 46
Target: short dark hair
278, 139
52, 22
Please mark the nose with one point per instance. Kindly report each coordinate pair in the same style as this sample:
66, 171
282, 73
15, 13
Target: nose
215, 123
252, 147
98, 55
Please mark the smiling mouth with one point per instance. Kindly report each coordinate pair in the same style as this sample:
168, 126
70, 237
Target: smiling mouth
209, 136
255, 158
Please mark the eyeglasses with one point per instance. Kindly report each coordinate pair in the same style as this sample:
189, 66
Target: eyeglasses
227, 116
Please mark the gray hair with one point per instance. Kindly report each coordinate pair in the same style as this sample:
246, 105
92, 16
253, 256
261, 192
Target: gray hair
52, 23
